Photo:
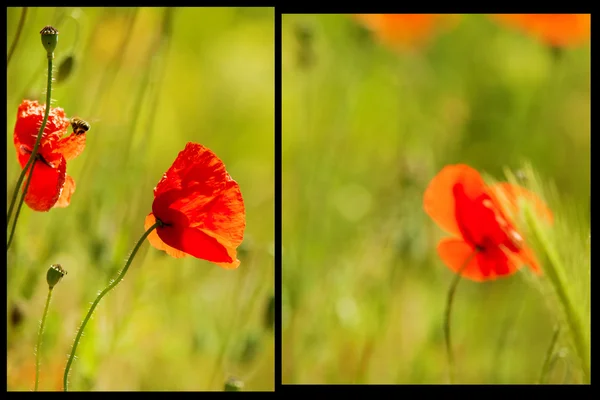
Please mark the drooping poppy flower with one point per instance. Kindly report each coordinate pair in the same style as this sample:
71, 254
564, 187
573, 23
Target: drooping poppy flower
200, 207
50, 185
403, 31
559, 30
481, 219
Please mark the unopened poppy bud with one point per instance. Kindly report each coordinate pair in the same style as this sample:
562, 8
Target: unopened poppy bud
65, 68
234, 385
49, 38
54, 275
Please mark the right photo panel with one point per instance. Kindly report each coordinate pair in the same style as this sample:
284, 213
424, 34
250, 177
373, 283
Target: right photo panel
435, 198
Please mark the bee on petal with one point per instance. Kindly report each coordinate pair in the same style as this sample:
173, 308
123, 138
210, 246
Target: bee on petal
79, 126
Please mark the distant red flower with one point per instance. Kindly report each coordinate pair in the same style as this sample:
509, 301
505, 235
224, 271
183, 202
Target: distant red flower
201, 208
554, 29
460, 202
50, 185
404, 30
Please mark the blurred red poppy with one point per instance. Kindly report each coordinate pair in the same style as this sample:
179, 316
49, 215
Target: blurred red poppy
50, 185
200, 207
480, 219
404, 30
558, 30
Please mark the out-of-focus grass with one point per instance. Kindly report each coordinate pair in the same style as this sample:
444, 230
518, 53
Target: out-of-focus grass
364, 131
149, 80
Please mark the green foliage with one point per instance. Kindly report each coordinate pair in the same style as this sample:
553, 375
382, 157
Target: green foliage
364, 131
148, 80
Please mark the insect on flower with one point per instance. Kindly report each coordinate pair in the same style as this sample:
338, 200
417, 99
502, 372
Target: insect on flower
480, 217
79, 126
200, 209
50, 185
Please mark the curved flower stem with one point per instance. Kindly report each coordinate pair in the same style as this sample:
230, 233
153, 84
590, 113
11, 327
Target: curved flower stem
33, 155
110, 286
13, 46
12, 231
449, 302
39, 341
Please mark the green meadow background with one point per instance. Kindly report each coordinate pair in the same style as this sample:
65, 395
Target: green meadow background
149, 80
365, 129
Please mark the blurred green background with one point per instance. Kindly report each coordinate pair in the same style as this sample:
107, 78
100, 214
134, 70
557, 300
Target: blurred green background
149, 80
365, 129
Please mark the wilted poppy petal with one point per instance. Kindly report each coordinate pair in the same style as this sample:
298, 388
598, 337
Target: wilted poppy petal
439, 198
195, 243
45, 187
29, 120
455, 253
65, 195
71, 146
508, 197
157, 242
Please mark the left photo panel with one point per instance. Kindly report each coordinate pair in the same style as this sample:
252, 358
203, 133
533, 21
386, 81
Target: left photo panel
140, 199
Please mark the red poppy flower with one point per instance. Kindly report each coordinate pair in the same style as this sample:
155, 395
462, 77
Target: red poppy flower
554, 29
201, 209
403, 30
480, 218
50, 185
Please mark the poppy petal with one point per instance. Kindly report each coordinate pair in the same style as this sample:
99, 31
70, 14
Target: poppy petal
483, 266
508, 196
46, 185
195, 167
30, 116
195, 243
67, 191
403, 30
527, 257
554, 29
223, 215
495, 263
455, 253
439, 198
157, 242
71, 146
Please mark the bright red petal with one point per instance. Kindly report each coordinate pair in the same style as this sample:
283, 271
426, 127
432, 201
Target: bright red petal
439, 198
30, 116
67, 191
157, 242
46, 185
195, 243
198, 193
195, 167
71, 146
482, 266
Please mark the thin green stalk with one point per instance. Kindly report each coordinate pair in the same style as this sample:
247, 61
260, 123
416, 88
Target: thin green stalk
12, 231
554, 271
110, 286
549, 353
13, 46
33, 155
39, 341
449, 302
